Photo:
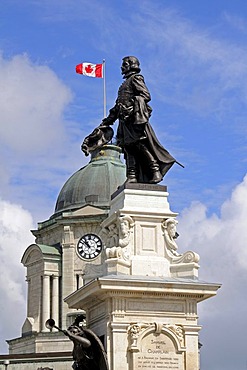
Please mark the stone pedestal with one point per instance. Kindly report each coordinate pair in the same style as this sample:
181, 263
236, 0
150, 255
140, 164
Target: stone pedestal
145, 323
145, 306
141, 230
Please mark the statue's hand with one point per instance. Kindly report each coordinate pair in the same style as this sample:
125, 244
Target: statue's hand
106, 122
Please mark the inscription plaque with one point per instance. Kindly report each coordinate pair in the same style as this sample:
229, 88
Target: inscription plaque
158, 352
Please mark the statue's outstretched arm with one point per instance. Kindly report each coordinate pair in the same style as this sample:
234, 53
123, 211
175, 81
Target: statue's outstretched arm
77, 338
112, 116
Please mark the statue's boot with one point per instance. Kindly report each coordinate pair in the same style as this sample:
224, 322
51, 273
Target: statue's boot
157, 177
152, 165
131, 166
131, 175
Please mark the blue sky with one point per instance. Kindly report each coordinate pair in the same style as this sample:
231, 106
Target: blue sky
193, 56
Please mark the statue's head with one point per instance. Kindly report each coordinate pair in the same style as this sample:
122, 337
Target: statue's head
125, 223
79, 319
170, 224
130, 64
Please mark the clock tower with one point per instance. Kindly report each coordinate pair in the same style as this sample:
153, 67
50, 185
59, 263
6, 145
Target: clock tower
68, 246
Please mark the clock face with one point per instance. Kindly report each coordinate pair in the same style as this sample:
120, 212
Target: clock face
89, 247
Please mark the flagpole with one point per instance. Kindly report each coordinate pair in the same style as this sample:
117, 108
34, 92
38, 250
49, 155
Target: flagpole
104, 89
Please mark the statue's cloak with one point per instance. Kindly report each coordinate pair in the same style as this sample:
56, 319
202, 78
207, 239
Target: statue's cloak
160, 154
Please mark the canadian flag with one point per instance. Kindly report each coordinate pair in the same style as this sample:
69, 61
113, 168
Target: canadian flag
90, 69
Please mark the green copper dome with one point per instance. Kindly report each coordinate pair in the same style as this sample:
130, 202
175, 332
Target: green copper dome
94, 183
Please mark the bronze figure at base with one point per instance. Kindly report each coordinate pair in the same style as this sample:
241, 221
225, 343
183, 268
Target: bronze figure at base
88, 352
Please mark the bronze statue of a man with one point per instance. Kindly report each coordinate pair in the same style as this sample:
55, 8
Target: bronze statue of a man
146, 159
88, 352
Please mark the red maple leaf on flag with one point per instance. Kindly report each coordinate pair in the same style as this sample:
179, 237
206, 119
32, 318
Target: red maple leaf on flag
88, 69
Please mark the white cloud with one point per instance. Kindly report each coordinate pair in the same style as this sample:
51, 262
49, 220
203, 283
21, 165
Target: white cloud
221, 244
15, 236
218, 235
236, 21
31, 105
36, 149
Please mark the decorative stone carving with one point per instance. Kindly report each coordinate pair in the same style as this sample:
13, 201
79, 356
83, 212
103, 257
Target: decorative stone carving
118, 238
112, 237
170, 234
178, 330
157, 346
111, 241
125, 224
187, 257
135, 331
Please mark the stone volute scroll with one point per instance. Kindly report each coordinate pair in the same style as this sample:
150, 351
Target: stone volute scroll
185, 264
